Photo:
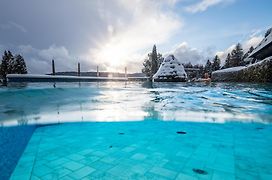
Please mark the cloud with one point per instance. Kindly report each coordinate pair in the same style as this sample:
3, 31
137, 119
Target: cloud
253, 41
108, 33
184, 53
223, 54
203, 5
39, 60
128, 38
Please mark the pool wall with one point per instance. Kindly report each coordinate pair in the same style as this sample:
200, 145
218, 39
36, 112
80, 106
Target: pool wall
13, 141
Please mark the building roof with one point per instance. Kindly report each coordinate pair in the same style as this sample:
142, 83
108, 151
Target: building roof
263, 44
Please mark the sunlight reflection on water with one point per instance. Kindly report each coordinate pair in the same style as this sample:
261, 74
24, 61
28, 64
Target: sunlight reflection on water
134, 101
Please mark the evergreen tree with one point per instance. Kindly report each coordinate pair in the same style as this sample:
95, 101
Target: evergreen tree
216, 63
248, 52
208, 67
152, 62
251, 49
188, 65
236, 58
12, 65
19, 65
160, 59
7, 59
268, 32
147, 66
201, 70
227, 62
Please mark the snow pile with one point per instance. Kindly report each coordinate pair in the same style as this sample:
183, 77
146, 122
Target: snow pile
170, 69
267, 39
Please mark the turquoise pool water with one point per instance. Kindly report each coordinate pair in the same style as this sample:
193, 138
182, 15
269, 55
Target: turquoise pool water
142, 131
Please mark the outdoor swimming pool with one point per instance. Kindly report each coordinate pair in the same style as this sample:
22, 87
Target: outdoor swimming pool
136, 130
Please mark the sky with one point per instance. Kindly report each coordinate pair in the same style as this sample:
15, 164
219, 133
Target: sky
114, 34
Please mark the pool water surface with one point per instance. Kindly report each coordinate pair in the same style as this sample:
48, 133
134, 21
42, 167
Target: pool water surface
137, 130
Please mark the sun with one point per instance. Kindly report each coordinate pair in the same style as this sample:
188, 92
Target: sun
112, 56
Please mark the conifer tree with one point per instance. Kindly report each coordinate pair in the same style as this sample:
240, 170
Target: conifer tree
227, 62
248, 52
208, 66
152, 62
19, 65
12, 65
147, 66
216, 63
6, 63
236, 58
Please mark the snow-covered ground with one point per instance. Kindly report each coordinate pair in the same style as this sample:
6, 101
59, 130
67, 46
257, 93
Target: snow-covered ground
170, 68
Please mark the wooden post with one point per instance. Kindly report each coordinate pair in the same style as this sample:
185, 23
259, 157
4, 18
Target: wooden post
97, 71
53, 67
125, 72
78, 69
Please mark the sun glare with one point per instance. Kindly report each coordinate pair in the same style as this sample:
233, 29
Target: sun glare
113, 56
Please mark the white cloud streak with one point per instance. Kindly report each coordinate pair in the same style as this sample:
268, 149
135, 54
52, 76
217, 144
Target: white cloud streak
11, 25
203, 5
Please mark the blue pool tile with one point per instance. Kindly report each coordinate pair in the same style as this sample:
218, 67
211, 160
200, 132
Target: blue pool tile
182, 176
146, 151
71, 165
101, 166
219, 175
138, 156
120, 170
164, 172
83, 172
75, 157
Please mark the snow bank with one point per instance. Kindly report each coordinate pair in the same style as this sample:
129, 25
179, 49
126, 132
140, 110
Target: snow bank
170, 70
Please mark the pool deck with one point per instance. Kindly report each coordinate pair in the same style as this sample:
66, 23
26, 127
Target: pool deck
148, 150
